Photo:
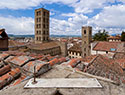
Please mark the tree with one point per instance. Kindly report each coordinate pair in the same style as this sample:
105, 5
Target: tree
123, 36
101, 36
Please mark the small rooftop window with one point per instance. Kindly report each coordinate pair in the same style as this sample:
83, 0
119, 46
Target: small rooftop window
112, 49
84, 31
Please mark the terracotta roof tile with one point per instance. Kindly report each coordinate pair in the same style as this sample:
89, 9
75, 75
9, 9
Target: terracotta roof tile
88, 59
36, 56
76, 48
20, 60
43, 46
3, 55
63, 59
16, 53
5, 69
105, 67
30, 65
14, 72
9, 77
18, 81
74, 62
53, 62
107, 46
26, 61
15, 43
121, 62
114, 37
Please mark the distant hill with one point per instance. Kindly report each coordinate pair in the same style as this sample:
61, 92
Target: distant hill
65, 36
11, 35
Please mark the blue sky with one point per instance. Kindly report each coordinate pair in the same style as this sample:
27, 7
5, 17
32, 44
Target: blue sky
67, 16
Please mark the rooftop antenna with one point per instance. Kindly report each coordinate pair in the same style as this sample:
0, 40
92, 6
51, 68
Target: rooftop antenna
34, 81
42, 5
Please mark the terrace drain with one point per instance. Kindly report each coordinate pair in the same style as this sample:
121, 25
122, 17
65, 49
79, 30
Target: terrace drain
57, 93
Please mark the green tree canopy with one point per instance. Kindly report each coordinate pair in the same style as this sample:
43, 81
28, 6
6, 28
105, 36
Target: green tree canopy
101, 36
123, 36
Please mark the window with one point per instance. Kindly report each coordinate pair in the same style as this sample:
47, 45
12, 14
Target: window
90, 32
44, 20
38, 13
85, 55
36, 19
39, 19
44, 32
89, 47
84, 42
84, 31
44, 39
37, 38
79, 54
39, 32
47, 20
39, 25
36, 32
43, 25
84, 49
76, 53
44, 13
47, 32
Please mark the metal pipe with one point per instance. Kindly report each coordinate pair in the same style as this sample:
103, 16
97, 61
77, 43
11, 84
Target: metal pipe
34, 80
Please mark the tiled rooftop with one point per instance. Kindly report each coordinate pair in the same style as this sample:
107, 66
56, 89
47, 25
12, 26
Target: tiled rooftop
114, 37
21, 65
13, 43
76, 48
43, 45
13, 62
102, 66
109, 46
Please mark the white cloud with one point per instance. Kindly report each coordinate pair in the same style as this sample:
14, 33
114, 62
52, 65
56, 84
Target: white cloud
25, 25
71, 27
86, 6
26, 4
123, 1
81, 6
112, 17
69, 14
18, 4
18, 26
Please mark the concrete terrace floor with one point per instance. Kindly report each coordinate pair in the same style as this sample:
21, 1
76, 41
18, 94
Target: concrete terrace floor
60, 71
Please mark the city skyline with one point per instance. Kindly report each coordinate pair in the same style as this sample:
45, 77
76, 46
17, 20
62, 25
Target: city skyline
66, 17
